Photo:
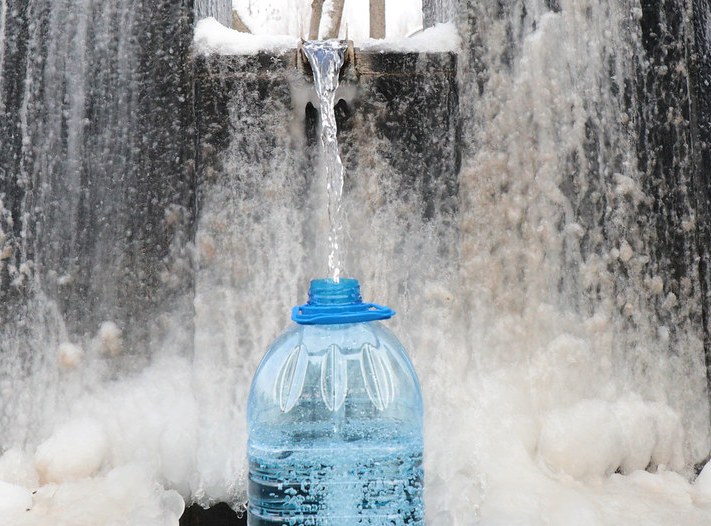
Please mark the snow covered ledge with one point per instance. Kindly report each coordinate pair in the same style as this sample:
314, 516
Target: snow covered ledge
211, 37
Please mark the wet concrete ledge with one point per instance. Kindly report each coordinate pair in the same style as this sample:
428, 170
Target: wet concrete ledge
358, 63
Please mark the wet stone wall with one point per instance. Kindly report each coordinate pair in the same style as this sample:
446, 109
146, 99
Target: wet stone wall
409, 101
96, 159
653, 101
700, 119
674, 133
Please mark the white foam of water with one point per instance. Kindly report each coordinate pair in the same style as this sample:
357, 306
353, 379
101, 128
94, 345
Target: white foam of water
112, 459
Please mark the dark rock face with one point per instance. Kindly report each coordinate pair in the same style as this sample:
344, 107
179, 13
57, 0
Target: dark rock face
700, 123
238, 97
673, 129
15, 56
416, 92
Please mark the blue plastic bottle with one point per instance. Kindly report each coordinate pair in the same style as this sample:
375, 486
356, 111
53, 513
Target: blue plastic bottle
335, 419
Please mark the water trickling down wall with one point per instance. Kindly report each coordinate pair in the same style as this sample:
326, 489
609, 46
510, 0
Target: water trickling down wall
96, 182
602, 160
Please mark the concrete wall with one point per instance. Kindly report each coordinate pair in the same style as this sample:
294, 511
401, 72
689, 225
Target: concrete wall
218, 9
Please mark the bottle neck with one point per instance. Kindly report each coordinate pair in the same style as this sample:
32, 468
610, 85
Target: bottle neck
345, 291
337, 302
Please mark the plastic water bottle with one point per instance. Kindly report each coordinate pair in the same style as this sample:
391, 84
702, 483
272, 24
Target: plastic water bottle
335, 419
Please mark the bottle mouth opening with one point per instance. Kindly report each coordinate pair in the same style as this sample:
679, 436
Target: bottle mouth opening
345, 291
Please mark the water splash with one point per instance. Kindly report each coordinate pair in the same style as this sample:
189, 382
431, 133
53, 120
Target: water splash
326, 59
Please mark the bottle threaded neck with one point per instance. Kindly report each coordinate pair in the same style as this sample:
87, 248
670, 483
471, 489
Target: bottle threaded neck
345, 291
336, 302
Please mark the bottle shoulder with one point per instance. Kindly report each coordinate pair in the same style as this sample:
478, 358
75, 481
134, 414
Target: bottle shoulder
313, 372
348, 339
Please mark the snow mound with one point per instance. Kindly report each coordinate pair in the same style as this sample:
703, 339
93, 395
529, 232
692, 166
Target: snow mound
440, 38
211, 37
76, 450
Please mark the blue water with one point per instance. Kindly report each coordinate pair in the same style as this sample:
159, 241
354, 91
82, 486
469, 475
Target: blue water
347, 483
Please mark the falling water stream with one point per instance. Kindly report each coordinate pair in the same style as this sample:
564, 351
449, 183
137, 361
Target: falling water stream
326, 59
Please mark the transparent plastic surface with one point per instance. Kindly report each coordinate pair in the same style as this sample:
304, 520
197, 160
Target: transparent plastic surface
335, 430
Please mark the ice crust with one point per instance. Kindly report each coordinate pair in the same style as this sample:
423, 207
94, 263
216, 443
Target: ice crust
123, 454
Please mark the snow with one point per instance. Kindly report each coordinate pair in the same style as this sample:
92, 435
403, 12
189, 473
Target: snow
292, 17
437, 39
212, 37
109, 339
101, 500
594, 438
135, 439
69, 355
14, 499
138, 441
76, 450
131, 441
703, 482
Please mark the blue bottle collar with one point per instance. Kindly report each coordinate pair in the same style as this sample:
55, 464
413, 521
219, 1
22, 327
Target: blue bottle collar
332, 302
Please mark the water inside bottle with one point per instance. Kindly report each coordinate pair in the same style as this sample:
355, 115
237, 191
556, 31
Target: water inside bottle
327, 482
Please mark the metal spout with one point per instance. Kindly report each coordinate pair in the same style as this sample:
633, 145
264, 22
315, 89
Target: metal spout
347, 70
